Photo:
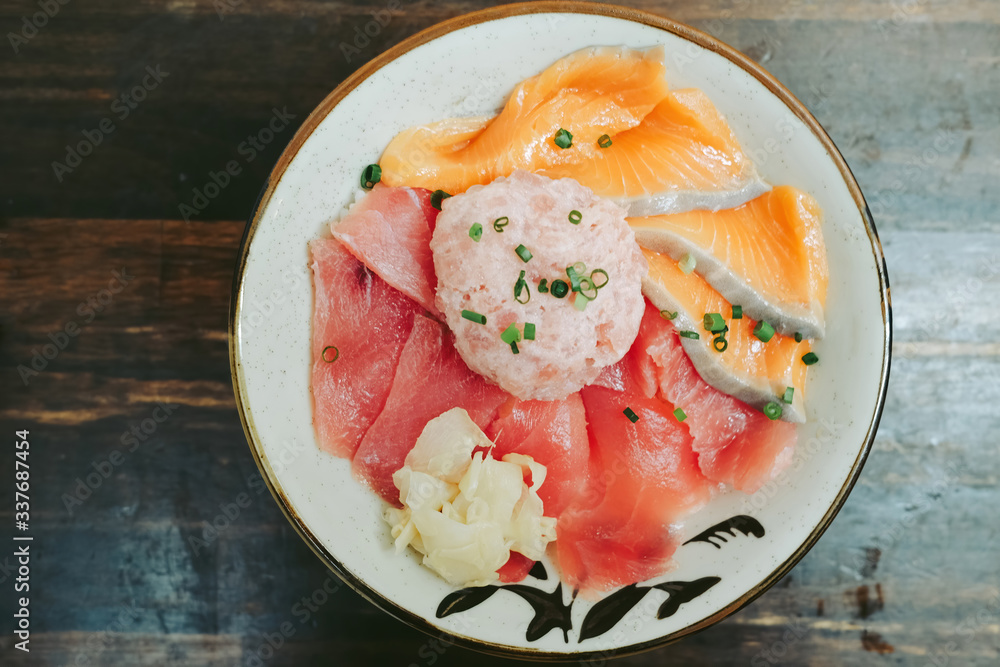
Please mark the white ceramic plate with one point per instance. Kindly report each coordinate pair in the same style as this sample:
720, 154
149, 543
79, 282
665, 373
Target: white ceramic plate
467, 66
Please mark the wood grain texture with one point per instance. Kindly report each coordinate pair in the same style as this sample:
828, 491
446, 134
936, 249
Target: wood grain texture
907, 574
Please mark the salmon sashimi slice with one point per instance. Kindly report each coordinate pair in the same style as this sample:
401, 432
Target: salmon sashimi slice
595, 91
736, 444
620, 531
352, 307
682, 156
390, 231
767, 255
430, 379
753, 371
553, 433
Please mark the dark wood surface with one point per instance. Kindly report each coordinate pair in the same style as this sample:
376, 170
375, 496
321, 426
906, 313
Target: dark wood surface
909, 573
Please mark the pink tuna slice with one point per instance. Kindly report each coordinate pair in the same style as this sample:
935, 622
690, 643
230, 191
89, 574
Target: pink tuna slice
430, 379
736, 444
553, 433
644, 477
352, 308
390, 231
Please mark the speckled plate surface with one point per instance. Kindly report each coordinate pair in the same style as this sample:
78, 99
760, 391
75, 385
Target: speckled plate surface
467, 66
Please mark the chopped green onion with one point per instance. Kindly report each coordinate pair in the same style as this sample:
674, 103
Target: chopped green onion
604, 141
513, 348
603, 273
437, 197
713, 322
326, 358
575, 217
687, 264
720, 343
476, 232
737, 312
580, 267
679, 415
370, 176
772, 410
523, 253
521, 286
510, 334
789, 394
809, 358
559, 288
574, 279
500, 223
693, 335
529, 331
563, 138
798, 337
543, 286
667, 315
473, 316
580, 302
763, 331
632, 417
587, 288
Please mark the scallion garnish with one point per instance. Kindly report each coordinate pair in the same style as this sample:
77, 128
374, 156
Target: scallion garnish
604, 141
523, 253
679, 415
476, 232
720, 343
575, 217
587, 288
543, 286
789, 394
559, 288
772, 410
521, 287
763, 331
737, 312
473, 316
326, 357
580, 302
693, 335
713, 322
529, 331
667, 315
563, 138
513, 348
574, 278
632, 417
500, 223
437, 197
798, 337
370, 176
594, 280
511, 334
687, 264
809, 358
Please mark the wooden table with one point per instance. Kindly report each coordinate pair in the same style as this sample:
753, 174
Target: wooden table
909, 573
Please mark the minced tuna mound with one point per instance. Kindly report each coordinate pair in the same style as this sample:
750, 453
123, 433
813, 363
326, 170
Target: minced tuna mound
570, 346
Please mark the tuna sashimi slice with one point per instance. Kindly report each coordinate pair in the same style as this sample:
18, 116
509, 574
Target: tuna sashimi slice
619, 530
352, 307
516, 568
736, 444
390, 231
553, 433
430, 379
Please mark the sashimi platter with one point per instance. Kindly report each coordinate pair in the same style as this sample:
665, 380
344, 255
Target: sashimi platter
561, 330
